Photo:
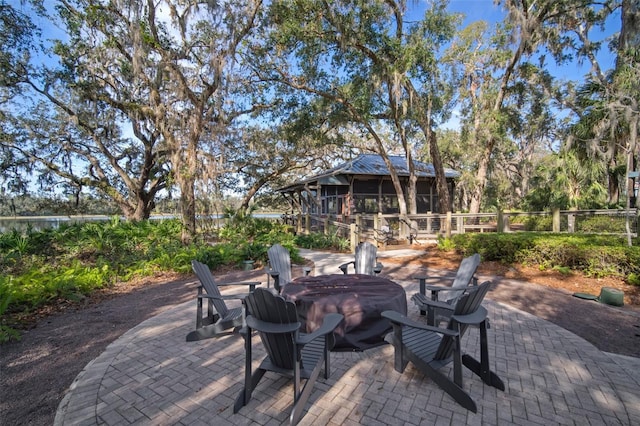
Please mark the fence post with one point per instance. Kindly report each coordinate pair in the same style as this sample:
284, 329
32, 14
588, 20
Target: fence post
447, 225
307, 224
555, 220
460, 224
326, 226
500, 221
505, 219
571, 225
429, 222
299, 224
354, 237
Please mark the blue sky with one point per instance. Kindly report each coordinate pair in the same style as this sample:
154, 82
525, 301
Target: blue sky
487, 10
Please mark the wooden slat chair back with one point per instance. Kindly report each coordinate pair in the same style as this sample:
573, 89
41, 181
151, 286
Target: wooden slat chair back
280, 266
219, 317
430, 348
443, 298
281, 347
365, 261
464, 276
467, 304
208, 283
289, 352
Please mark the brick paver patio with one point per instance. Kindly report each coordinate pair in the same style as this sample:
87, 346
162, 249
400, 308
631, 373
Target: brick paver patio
152, 376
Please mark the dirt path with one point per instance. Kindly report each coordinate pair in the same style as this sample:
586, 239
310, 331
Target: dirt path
36, 371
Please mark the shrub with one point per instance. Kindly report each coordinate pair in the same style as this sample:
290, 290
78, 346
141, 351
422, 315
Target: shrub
317, 240
594, 224
593, 255
445, 244
633, 279
538, 223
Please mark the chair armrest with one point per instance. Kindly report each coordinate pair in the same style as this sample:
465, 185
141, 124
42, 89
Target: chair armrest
378, 268
245, 283
472, 319
400, 319
307, 270
437, 288
423, 302
273, 273
270, 327
437, 277
225, 297
251, 284
329, 323
344, 266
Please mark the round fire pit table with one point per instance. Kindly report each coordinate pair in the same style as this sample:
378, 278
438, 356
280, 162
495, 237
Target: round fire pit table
360, 298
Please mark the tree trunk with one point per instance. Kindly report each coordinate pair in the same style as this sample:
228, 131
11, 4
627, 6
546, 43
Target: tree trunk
188, 209
444, 200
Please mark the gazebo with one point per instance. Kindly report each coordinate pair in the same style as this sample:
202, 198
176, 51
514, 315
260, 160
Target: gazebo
363, 185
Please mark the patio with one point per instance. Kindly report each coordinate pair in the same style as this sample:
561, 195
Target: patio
152, 376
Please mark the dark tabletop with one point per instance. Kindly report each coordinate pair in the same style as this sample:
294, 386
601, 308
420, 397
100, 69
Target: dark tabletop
360, 298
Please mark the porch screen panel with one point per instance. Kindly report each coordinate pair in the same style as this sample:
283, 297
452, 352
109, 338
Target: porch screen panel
365, 196
426, 196
387, 187
390, 204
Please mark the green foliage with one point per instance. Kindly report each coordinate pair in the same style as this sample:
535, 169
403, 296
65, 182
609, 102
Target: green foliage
564, 270
74, 260
445, 244
318, 240
538, 223
6, 332
493, 246
633, 279
248, 238
595, 224
593, 255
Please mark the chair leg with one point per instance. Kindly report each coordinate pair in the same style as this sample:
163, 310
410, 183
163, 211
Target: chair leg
300, 400
423, 283
455, 391
327, 357
482, 369
250, 380
211, 314
199, 309
395, 339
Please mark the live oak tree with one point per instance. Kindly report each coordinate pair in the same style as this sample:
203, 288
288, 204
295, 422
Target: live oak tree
66, 140
182, 54
165, 70
373, 69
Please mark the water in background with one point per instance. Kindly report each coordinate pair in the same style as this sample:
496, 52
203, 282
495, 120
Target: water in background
38, 223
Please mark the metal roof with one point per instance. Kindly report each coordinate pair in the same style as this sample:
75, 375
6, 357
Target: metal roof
373, 165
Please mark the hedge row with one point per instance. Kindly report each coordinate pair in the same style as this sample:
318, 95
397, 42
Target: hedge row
593, 255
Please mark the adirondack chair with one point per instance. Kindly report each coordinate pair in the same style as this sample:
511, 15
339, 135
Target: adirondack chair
430, 348
219, 318
365, 261
443, 298
289, 352
280, 267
